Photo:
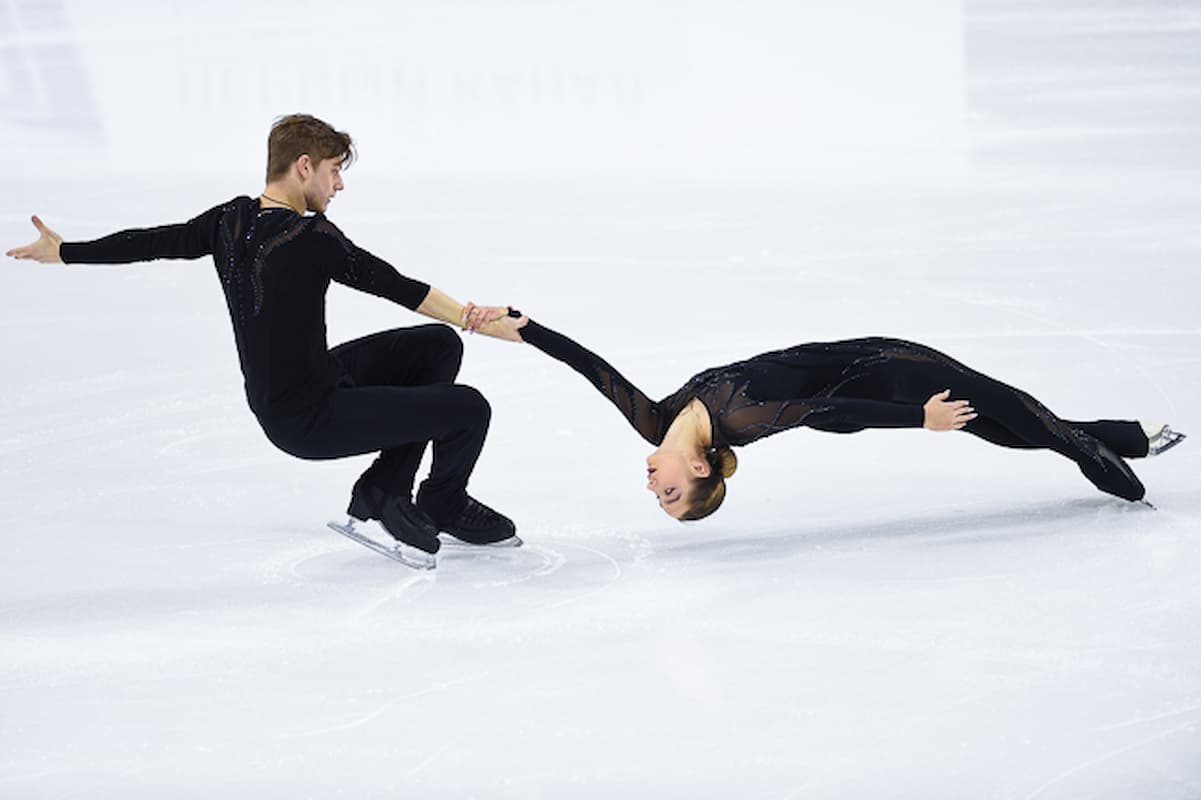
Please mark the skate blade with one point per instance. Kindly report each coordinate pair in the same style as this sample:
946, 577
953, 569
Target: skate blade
1164, 441
409, 556
450, 541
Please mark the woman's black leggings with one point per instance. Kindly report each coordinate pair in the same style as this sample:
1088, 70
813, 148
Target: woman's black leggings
396, 394
1012, 418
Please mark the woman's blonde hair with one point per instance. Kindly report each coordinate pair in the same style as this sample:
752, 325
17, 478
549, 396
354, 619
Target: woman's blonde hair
708, 493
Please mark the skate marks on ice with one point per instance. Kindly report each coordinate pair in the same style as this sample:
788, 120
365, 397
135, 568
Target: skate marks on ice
1105, 759
550, 570
346, 577
329, 560
1192, 709
392, 704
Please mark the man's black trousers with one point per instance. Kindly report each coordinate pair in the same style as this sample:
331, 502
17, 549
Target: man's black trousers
395, 394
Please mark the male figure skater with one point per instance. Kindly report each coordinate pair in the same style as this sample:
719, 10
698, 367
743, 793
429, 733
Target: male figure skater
390, 392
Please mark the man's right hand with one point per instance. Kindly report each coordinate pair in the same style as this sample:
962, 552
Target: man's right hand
44, 250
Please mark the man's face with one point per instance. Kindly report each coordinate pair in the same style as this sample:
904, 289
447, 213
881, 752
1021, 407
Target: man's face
324, 181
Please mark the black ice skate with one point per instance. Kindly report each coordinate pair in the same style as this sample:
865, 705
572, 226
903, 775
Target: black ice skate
1110, 473
477, 524
1165, 439
400, 518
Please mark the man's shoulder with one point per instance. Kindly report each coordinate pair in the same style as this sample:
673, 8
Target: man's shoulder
321, 225
240, 203
324, 224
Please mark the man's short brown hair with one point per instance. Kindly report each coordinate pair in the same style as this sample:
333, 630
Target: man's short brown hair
297, 134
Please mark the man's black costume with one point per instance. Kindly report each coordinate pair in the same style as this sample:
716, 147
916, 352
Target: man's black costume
391, 392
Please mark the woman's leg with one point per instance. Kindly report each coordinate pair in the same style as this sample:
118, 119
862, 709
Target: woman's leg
1124, 437
1013, 418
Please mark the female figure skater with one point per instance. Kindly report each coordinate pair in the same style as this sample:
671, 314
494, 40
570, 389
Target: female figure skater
840, 387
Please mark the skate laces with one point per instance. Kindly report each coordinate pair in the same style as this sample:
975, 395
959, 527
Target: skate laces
476, 514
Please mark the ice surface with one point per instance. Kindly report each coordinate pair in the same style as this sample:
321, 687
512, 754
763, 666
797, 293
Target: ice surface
889, 614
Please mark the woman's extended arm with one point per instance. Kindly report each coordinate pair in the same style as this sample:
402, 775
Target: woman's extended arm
751, 421
646, 416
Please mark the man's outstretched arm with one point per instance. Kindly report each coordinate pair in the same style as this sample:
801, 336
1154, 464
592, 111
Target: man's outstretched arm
191, 239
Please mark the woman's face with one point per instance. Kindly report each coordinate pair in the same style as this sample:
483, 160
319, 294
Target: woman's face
669, 476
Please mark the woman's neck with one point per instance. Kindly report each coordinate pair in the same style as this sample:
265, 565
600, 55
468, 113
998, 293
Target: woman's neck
691, 431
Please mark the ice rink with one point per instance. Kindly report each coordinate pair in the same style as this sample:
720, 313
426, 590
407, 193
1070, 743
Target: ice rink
892, 614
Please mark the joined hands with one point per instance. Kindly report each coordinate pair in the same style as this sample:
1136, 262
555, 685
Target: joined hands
497, 321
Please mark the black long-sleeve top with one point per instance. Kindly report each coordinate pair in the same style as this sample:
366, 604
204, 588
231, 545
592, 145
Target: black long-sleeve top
275, 267
841, 387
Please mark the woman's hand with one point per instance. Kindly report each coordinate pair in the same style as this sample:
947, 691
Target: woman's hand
943, 414
507, 327
495, 321
44, 250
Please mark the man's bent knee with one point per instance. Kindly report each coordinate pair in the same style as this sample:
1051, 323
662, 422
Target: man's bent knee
446, 343
453, 345
473, 403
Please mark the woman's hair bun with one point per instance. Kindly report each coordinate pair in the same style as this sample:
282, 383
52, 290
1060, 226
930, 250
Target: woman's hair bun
724, 461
